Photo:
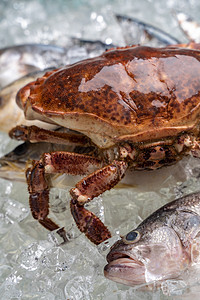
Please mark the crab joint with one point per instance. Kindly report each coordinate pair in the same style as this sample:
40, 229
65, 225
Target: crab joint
81, 199
188, 141
127, 150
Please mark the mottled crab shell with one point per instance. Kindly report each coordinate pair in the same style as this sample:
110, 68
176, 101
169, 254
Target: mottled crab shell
130, 94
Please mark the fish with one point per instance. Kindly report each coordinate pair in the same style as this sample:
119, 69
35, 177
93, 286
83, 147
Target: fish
10, 114
19, 60
14, 164
138, 32
190, 27
162, 247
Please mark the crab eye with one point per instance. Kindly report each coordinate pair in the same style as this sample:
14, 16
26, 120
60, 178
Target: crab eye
132, 237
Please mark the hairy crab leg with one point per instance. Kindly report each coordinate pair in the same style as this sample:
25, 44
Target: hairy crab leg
89, 187
55, 162
39, 196
35, 134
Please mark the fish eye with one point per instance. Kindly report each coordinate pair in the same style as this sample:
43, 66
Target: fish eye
21, 149
131, 237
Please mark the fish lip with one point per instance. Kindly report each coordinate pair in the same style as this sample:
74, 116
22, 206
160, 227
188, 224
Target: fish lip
125, 269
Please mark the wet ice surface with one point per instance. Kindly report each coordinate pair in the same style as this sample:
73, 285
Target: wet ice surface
32, 265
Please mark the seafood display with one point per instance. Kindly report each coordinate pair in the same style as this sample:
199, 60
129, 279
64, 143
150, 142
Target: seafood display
163, 246
138, 154
140, 127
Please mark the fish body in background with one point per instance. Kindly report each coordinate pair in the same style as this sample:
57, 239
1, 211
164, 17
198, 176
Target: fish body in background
138, 32
162, 247
18, 61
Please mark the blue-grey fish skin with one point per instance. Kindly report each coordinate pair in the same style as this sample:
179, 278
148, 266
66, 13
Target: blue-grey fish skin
20, 60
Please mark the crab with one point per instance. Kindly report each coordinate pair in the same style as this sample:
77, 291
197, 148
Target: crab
137, 107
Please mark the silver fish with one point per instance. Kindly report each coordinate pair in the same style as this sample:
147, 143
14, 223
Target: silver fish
138, 32
17, 61
162, 247
10, 114
190, 28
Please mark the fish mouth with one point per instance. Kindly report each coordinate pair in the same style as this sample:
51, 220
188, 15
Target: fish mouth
124, 268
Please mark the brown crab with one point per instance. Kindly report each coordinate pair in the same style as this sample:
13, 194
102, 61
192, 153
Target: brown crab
137, 107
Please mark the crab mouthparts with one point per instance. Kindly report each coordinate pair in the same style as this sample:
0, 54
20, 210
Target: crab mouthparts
125, 269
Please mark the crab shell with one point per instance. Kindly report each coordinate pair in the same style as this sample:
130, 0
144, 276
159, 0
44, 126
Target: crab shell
133, 94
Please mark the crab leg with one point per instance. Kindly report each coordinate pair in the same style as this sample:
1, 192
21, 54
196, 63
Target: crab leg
55, 162
89, 187
35, 134
39, 197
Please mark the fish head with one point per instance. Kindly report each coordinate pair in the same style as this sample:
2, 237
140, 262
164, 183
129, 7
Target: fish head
146, 255
14, 163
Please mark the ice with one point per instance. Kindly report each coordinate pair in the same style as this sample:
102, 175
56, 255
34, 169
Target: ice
35, 21
33, 263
